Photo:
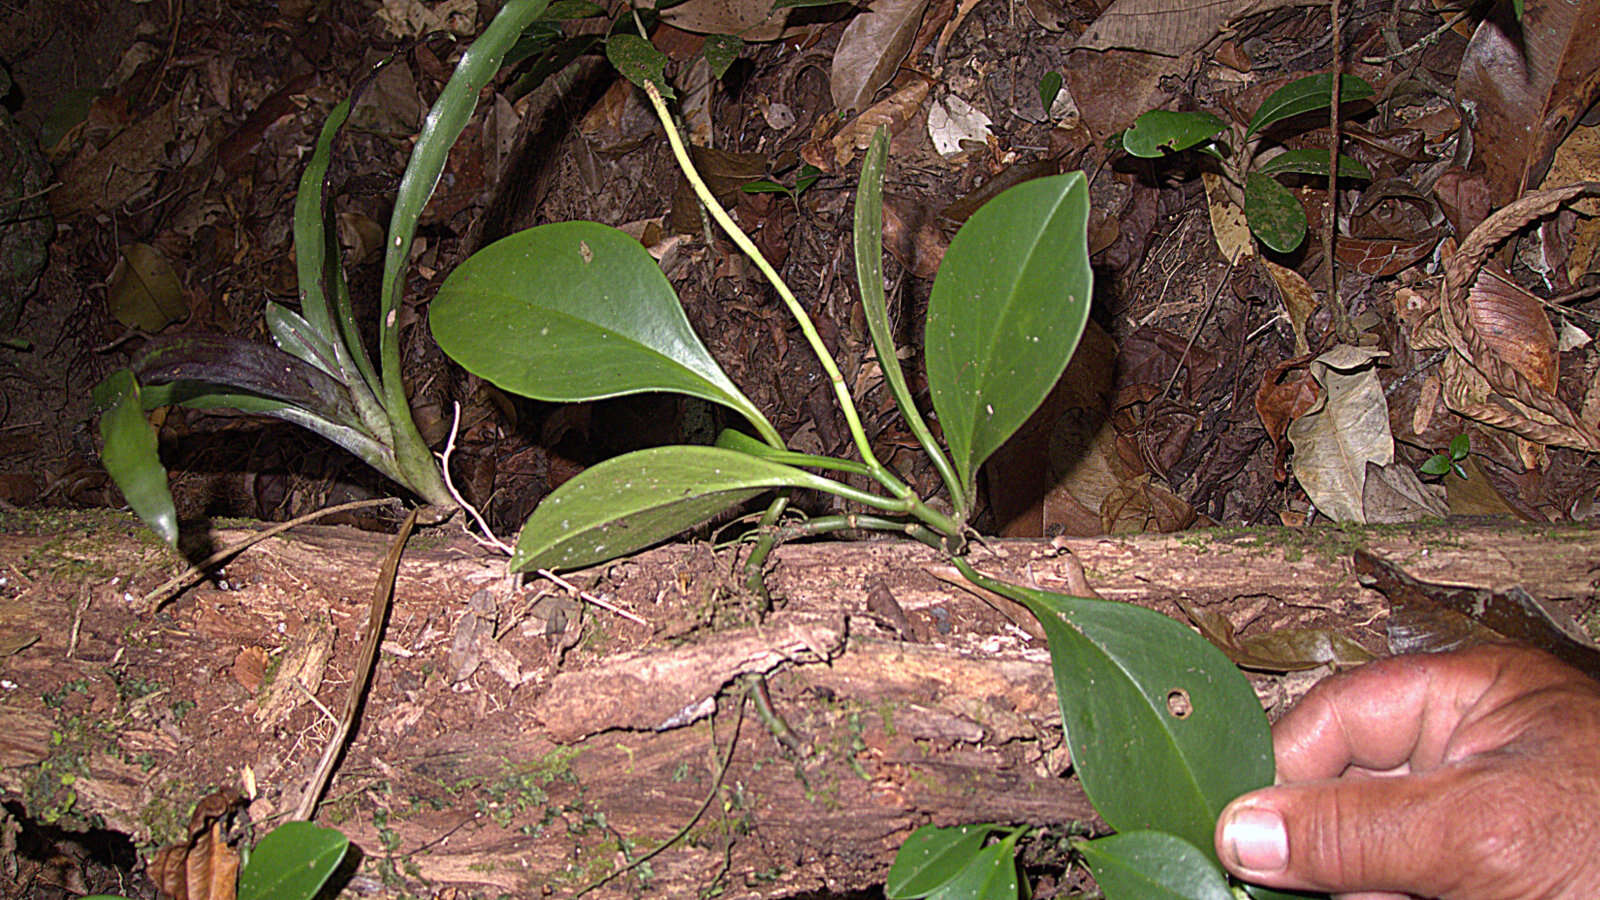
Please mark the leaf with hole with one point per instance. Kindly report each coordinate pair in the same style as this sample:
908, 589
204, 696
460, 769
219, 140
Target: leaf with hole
931, 857
1008, 306
1162, 728
1152, 865
576, 311
1305, 95
637, 499
1160, 130
130, 454
1276, 218
293, 862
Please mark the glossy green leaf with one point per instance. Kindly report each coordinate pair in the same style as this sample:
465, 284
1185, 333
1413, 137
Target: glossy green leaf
292, 862
1312, 161
730, 439
1305, 95
1160, 130
576, 311
639, 61
440, 129
637, 499
246, 367
868, 239
990, 874
763, 186
297, 337
1275, 216
931, 857
130, 453
1049, 87
1008, 306
1153, 865
1437, 464
720, 50
1460, 446
1162, 728
316, 252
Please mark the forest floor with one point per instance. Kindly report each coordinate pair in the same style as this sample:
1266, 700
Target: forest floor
1219, 382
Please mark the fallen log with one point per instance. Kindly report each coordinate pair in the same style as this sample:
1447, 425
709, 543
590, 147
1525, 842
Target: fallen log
517, 740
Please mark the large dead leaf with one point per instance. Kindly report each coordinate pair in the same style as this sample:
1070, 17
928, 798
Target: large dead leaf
1167, 27
892, 112
752, 20
871, 49
123, 169
206, 866
1529, 82
1348, 429
143, 290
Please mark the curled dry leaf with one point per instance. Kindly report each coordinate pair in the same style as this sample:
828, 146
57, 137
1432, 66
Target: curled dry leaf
892, 112
1299, 300
871, 49
1345, 430
1479, 382
206, 866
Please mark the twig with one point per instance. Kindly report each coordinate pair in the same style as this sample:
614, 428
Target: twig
382, 596
1330, 219
175, 585
585, 595
1195, 331
1421, 43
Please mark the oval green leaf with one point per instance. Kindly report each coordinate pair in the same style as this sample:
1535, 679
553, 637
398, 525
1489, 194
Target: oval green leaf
1162, 728
1304, 95
990, 874
1008, 307
637, 499
130, 454
1049, 88
720, 50
931, 858
576, 311
1312, 161
1159, 130
292, 863
1153, 865
1275, 216
639, 61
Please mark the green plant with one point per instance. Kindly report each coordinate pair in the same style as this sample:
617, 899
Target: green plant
804, 177
1163, 729
1449, 459
1275, 216
319, 375
292, 862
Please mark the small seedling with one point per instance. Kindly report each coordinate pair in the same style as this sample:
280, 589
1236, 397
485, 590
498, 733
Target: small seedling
1274, 215
1449, 460
804, 177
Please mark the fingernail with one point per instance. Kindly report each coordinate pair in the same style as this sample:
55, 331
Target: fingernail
1256, 839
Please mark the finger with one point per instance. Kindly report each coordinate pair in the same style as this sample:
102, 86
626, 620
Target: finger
1382, 716
1420, 834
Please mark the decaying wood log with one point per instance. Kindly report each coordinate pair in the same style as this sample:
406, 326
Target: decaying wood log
515, 741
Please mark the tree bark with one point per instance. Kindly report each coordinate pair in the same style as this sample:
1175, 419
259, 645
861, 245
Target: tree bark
516, 741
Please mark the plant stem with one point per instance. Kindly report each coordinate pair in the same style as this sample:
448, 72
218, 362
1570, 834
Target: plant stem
906, 500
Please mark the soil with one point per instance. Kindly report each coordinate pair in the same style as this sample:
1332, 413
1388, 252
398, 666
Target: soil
193, 124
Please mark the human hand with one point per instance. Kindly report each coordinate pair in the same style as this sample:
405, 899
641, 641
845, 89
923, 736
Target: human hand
1471, 775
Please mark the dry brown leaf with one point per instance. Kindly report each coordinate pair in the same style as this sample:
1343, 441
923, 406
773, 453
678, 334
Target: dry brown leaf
892, 112
1299, 300
206, 866
1167, 27
752, 20
1529, 82
143, 291
123, 169
1578, 159
870, 50
1348, 428
1228, 225
1514, 325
